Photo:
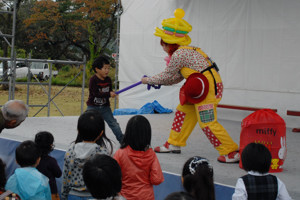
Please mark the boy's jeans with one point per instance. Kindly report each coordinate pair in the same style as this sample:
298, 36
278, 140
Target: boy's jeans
108, 117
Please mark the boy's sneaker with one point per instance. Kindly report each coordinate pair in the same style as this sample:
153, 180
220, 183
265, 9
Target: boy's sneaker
232, 157
167, 148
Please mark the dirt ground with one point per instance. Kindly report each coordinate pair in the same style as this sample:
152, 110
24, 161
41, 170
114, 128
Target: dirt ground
67, 102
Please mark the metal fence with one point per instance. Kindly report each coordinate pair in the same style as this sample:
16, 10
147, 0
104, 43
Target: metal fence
11, 74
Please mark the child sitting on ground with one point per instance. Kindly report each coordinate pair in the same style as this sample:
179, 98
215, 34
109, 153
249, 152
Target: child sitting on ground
48, 165
258, 184
198, 178
139, 164
27, 181
102, 177
90, 140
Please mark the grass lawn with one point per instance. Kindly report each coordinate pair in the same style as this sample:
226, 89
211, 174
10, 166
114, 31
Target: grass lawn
68, 101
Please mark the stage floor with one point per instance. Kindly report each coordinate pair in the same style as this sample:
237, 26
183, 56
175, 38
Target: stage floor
64, 131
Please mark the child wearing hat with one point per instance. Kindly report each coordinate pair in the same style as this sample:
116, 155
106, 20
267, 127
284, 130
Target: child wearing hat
200, 94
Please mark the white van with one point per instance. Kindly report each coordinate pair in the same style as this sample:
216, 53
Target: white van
42, 70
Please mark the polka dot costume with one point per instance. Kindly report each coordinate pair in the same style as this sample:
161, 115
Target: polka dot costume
181, 58
178, 121
219, 90
204, 112
212, 138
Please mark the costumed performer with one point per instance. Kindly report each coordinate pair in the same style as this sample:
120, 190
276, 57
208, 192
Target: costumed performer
200, 94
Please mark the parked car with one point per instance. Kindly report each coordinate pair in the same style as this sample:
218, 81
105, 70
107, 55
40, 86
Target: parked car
21, 69
39, 69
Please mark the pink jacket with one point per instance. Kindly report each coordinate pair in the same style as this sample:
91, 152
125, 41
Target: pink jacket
140, 171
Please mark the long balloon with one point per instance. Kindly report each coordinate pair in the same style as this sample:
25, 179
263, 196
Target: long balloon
129, 87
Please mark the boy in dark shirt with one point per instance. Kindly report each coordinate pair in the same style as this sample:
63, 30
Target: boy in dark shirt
48, 164
100, 90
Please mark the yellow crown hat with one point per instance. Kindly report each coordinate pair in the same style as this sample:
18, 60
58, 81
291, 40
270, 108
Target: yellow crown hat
175, 30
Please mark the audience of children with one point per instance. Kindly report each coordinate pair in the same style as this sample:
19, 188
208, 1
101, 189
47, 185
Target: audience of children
258, 184
198, 178
179, 196
48, 165
102, 177
139, 163
27, 181
90, 140
90, 172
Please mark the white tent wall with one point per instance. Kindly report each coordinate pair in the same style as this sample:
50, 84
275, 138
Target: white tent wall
255, 43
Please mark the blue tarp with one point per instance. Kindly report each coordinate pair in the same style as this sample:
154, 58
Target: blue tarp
148, 108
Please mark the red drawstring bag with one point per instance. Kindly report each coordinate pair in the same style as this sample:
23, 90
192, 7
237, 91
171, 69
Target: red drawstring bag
266, 127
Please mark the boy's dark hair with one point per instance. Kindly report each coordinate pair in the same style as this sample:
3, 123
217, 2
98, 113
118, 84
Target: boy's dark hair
102, 176
179, 196
27, 153
90, 125
137, 134
2, 175
198, 180
100, 62
44, 141
256, 157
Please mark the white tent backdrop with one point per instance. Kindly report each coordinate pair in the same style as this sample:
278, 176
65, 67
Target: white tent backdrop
255, 43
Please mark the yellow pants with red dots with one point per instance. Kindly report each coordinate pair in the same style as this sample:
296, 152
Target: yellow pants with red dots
205, 113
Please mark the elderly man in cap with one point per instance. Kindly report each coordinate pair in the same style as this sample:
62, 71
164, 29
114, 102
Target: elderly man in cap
200, 94
12, 114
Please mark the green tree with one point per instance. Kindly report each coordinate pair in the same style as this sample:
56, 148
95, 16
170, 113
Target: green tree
66, 29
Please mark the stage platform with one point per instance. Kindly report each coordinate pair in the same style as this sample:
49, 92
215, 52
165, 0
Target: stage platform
64, 131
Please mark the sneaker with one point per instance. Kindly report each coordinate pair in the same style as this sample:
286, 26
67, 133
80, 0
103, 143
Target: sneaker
232, 157
167, 148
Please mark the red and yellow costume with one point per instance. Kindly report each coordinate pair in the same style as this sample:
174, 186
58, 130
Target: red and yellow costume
184, 62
